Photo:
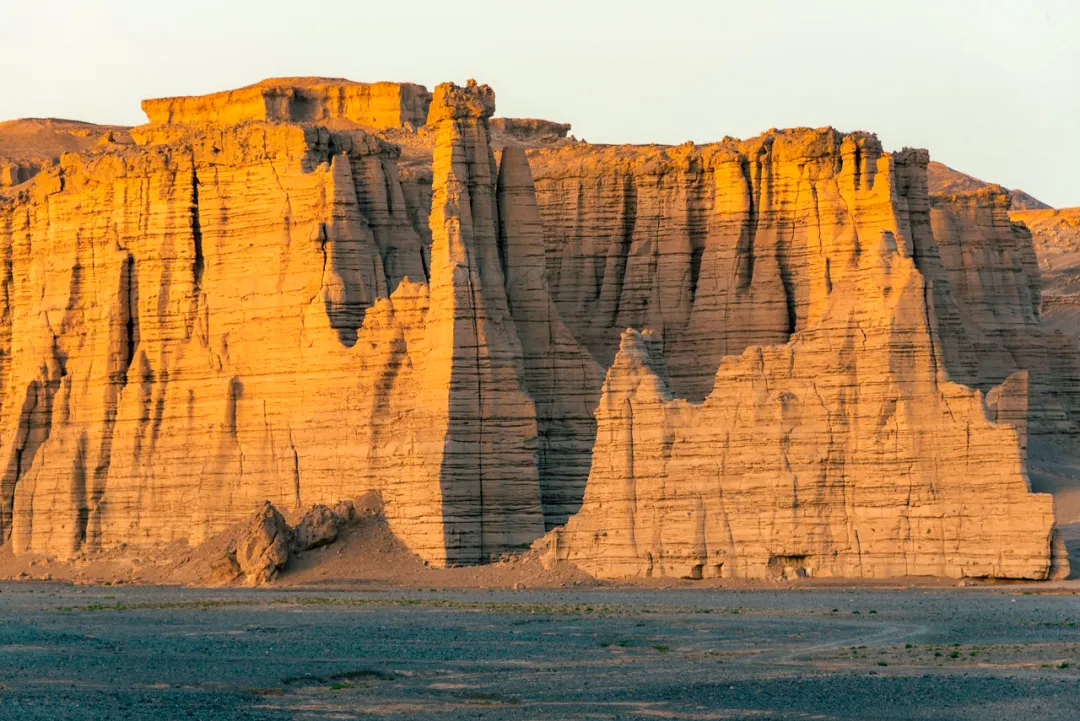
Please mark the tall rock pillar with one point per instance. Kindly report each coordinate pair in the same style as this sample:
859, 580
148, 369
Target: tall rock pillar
489, 480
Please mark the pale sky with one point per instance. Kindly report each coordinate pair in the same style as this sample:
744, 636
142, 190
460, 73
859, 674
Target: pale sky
991, 87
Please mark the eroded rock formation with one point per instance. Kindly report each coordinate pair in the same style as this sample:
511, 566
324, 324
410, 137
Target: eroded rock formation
219, 317
378, 105
846, 451
309, 289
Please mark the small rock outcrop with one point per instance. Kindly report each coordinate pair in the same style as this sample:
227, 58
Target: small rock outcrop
531, 129
318, 527
259, 550
944, 180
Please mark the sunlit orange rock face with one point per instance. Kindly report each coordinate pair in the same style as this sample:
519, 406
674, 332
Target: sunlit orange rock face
795, 407
308, 289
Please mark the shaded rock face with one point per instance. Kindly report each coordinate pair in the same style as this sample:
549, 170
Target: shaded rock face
264, 299
1055, 235
560, 375
318, 527
991, 268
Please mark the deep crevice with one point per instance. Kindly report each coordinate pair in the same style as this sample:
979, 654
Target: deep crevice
695, 271
858, 164
131, 320
744, 252
626, 240
696, 232
196, 230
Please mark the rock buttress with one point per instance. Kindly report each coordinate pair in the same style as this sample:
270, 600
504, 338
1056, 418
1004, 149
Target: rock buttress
490, 483
228, 314
844, 452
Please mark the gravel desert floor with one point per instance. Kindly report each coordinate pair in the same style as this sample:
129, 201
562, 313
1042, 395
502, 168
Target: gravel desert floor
69, 652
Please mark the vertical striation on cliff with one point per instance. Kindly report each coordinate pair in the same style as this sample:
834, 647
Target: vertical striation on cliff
489, 479
308, 289
562, 378
227, 314
846, 451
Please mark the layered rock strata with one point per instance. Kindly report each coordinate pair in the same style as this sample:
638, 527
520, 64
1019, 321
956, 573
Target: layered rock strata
561, 376
230, 314
308, 289
991, 269
846, 451
299, 100
716, 247
723, 246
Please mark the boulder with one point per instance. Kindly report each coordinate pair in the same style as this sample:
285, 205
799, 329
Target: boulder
318, 527
261, 549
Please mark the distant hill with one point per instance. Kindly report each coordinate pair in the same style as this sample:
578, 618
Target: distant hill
30, 144
944, 180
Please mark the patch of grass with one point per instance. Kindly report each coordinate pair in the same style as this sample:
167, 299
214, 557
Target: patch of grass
1063, 664
954, 654
909, 645
872, 611
882, 663
937, 653
662, 649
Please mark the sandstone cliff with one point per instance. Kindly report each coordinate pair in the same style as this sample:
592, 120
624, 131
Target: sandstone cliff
846, 451
308, 289
230, 314
379, 105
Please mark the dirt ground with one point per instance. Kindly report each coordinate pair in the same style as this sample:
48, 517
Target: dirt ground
163, 653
